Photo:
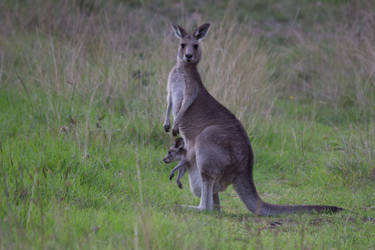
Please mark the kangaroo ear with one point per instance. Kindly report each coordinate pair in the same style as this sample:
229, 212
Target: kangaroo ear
179, 31
201, 31
179, 143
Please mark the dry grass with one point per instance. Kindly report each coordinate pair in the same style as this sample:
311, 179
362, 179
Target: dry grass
121, 55
117, 49
333, 64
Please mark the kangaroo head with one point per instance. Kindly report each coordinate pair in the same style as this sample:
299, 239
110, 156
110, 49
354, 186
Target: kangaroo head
176, 152
189, 51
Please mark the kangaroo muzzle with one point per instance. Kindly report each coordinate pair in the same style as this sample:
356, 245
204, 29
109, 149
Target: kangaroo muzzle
167, 160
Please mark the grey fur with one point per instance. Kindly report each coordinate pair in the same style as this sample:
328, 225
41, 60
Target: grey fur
217, 147
177, 152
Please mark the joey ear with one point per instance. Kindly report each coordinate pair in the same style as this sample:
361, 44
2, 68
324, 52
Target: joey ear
201, 31
179, 32
179, 143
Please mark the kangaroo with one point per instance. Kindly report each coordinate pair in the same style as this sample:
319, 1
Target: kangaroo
222, 150
186, 159
177, 152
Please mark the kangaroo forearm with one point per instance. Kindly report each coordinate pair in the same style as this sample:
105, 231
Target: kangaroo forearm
167, 114
181, 164
181, 173
186, 103
169, 107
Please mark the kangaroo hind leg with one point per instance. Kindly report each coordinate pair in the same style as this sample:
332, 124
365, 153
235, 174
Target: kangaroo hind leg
207, 194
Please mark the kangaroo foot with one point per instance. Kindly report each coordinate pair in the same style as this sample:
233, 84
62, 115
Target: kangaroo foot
189, 207
198, 208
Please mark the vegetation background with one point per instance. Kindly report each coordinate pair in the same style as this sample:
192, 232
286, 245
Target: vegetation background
82, 99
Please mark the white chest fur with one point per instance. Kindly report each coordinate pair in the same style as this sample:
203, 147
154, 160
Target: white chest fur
176, 88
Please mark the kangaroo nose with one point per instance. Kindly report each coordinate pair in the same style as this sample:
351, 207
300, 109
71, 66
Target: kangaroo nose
188, 56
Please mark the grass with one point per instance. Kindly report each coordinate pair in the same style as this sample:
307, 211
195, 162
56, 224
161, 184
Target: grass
82, 98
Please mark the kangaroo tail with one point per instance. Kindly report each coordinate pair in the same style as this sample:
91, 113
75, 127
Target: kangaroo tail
244, 186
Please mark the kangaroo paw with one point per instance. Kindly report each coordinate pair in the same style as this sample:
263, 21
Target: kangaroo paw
171, 176
175, 131
167, 127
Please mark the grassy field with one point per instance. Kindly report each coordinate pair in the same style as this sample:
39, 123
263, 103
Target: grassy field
82, 100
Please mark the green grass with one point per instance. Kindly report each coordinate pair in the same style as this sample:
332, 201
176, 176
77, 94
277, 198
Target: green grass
82, 99
58, 198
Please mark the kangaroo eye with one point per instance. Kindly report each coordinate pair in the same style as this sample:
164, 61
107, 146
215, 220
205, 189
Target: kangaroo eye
195, 46
183, 45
